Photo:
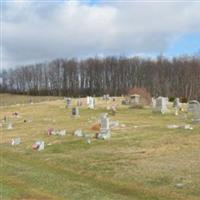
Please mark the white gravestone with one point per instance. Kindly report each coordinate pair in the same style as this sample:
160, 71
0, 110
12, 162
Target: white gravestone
15, 141
105, 127
9, 126
91, 103
161, 105
41, 147
78, 133
88, 100
194, 108
153, 102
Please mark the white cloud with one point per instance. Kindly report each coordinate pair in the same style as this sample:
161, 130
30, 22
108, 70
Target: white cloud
36, 31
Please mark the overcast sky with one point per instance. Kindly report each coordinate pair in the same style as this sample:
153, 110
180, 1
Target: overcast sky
37, 31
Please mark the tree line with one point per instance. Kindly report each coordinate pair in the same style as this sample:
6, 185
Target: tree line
179, 77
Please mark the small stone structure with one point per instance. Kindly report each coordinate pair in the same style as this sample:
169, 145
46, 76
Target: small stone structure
135, 100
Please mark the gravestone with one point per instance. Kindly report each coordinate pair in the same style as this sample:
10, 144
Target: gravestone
194, 108
79, 102
91, 103
78, 133
87, 100
39, 145
68, 102
113, 110
62, 132
9, 126
88, 140
193, 105
106, 97
105, 127
161, 105
153, 102
75, 112
176, 103
15, 141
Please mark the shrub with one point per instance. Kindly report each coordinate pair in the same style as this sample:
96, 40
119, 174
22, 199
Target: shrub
171, 99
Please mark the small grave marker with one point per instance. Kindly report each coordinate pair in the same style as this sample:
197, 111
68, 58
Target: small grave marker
39, 145
15, 141
105, 127
75, 112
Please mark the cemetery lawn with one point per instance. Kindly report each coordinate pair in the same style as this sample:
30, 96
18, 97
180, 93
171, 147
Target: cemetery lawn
143, 160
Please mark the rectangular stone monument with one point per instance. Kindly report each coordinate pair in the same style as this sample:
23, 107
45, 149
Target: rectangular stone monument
105, 127
91, 103
79, 102
68, 102
9, 126
87, 100
75, 112
193, 105
194, 108
161, 105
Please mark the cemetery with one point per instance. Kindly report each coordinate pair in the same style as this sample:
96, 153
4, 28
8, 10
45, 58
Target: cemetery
100, 100
96, 148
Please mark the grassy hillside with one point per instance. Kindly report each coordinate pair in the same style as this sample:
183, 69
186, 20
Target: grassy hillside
143, 160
